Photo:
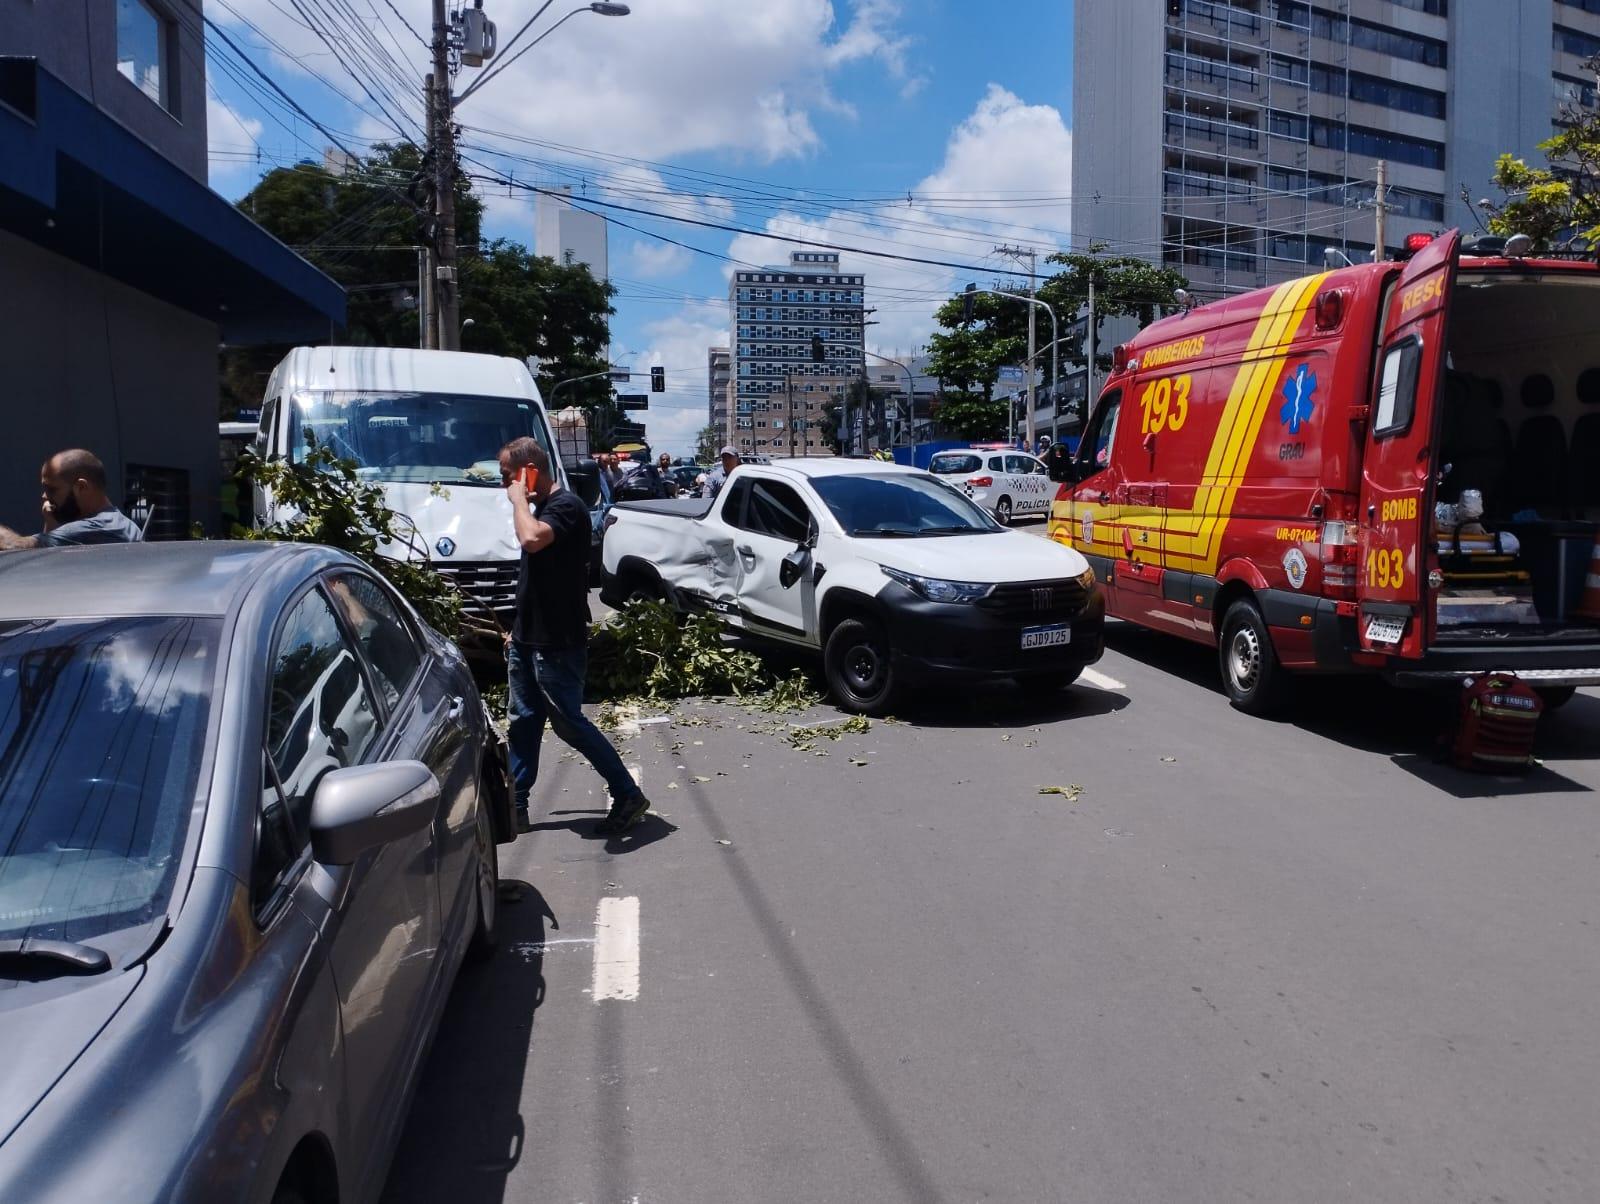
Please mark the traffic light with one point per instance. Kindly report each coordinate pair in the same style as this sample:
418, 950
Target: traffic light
658, 380
968, 299
819, 353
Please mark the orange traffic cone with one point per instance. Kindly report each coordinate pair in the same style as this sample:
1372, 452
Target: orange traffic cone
1589, 605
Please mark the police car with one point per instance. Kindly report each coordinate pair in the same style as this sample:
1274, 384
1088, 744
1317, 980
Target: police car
1009, 483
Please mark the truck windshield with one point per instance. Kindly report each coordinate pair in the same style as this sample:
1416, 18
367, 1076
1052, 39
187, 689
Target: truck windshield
103, 728
900, 505
422, 437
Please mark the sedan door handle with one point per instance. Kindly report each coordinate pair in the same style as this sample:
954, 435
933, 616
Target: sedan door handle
747, 552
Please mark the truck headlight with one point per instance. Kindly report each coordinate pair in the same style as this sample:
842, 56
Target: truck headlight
1086, 580
935, 589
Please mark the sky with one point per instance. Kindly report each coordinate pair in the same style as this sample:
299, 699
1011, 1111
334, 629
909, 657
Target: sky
924, 129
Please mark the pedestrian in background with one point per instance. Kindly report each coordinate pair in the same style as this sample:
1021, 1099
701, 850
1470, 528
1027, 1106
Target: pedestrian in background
718, 476
548, 656
74, 506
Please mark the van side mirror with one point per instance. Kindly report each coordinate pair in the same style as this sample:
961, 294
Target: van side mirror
1060, 465
584, 478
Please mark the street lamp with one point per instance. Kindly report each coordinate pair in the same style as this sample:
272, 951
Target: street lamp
599, 8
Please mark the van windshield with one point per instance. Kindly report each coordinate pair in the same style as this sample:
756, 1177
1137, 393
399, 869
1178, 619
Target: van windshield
422, 437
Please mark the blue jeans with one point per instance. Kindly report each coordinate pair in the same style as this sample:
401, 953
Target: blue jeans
547, 684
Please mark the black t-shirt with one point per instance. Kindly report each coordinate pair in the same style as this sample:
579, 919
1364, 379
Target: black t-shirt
553, 584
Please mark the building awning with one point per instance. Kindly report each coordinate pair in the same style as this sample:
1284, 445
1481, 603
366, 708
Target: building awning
76, 182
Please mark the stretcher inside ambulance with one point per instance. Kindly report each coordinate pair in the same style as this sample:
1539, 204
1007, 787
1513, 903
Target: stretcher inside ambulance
1391, 467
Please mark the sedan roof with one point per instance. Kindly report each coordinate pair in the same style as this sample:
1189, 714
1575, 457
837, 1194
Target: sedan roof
202, 577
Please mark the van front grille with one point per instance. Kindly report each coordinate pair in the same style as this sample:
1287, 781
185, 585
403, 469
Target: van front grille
489, 586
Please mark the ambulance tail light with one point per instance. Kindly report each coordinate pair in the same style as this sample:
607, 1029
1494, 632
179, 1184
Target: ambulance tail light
1339, 559
981, 482
1119, 358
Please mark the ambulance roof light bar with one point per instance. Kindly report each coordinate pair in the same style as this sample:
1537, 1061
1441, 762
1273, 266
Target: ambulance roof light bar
1415, 242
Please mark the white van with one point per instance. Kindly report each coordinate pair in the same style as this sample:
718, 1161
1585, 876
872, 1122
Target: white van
412, 420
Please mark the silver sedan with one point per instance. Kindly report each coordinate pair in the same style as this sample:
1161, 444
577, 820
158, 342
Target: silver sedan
249, 806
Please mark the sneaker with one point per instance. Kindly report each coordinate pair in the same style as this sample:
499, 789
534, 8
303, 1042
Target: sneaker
625, 814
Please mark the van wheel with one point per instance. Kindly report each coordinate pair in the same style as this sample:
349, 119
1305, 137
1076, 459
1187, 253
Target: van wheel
1002, 511
859, 666
1556, 696
1254, 680
484, 937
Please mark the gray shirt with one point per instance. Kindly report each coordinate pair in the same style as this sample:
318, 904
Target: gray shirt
109, 526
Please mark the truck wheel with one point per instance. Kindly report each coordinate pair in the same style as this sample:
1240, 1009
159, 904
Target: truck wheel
859, 666
1002, 511
1254, 680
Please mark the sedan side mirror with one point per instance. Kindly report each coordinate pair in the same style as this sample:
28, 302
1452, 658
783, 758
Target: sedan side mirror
794, 566
357, 809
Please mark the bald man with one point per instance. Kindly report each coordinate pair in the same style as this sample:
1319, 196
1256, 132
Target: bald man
75, 509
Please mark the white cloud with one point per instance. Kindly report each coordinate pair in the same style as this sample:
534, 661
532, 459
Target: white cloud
672, 78
651, 261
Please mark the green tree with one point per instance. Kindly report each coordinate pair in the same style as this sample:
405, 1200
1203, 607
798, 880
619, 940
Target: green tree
964, 416
362, 228
1556, 205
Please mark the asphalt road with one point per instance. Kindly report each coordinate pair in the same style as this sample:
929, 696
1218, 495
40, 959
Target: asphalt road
1233, 960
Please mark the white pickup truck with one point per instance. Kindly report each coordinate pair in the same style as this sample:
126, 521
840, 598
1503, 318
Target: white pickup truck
894, 576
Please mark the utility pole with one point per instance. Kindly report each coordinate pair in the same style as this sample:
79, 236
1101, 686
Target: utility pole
426, 314
1088, 390
788, 380
447, 301
1032, 256
1381, 212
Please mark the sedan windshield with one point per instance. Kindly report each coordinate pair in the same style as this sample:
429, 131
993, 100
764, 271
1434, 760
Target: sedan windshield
951, 464
102, 731
422, 437
900, 505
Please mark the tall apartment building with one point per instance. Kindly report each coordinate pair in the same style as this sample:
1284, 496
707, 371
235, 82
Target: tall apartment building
719, 373
123, 271
777, 311
1236, 141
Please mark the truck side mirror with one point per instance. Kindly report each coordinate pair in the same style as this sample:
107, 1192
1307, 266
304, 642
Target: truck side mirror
794, 566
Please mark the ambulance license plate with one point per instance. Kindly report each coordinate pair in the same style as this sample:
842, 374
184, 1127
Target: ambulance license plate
1385, 629
1046, 637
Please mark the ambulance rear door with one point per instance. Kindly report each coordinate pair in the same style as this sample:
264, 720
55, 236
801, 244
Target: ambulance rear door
1399, 461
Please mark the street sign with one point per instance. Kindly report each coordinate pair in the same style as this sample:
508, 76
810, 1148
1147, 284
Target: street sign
627, 432
633, 401
1011, 375
620, 375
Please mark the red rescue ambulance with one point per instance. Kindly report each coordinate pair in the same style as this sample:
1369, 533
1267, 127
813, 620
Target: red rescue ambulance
1391, 467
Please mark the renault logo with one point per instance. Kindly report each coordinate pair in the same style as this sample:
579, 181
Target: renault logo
446, 546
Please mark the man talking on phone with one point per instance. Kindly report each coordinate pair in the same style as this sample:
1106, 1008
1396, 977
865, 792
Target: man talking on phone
547, 659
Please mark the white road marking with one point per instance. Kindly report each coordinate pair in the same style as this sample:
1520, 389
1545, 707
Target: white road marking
1091, 677
616, 949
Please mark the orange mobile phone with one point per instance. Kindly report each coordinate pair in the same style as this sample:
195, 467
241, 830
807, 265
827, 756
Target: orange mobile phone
529, 475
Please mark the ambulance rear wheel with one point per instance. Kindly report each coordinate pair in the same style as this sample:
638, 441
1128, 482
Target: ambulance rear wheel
1256, 683
1556, 696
